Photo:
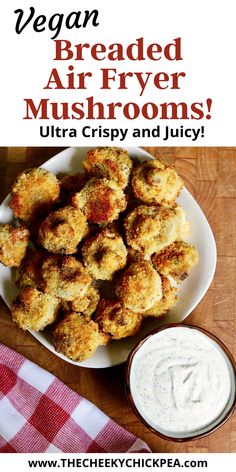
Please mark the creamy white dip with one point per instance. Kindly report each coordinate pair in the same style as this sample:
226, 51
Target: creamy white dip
180, 380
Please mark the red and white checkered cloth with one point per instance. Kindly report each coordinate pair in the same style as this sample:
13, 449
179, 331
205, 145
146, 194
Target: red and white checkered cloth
38, 413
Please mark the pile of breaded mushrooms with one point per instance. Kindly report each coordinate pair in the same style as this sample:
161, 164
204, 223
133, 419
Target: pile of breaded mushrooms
96, 252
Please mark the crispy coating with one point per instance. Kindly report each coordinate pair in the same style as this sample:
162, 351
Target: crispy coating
104, 254
65, 277
104, 338
86, 305
101, 200
110, 162
155, 182
34, 310
139, 287
168, 299
29, 272
13, 244
176, 260
71, 184
62, 230
34, 191
77, 337
150, 228
116, 320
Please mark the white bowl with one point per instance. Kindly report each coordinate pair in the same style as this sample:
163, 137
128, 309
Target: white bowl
192, 289
133, 364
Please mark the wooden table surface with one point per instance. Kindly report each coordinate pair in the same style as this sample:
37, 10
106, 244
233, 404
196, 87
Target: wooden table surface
210, 175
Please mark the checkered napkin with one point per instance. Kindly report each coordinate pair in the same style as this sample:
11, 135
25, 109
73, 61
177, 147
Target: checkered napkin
38, 413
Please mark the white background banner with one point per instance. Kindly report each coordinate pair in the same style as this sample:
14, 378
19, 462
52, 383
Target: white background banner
180, 91
118, 462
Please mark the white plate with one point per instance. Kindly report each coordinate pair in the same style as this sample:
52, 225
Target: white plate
192, 290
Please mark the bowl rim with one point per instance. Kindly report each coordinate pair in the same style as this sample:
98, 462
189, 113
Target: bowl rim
130, 396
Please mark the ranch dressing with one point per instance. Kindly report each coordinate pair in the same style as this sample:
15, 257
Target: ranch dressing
180, 380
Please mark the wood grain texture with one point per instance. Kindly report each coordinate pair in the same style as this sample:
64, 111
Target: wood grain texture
210, 175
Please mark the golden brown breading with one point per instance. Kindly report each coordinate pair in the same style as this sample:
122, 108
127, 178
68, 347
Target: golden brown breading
29, 272
34, 310
104, 338
110, 162
65, 277
168, 299
33, 192
77, 337
85, 305
116, 320
157, 183
13, 244
71, 184
101, 200
176, 260
142, 228
104, 254
150, 228
139, 287
62, 230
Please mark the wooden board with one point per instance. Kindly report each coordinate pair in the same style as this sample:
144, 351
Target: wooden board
210, 175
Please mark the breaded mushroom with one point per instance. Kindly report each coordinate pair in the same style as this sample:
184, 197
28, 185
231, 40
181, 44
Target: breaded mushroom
71, 184
116, 320
13, 244
29, 272
110, 162
104, 254
150, 228
65, 277
86, 305
168, 299
155, 182
34, 310
101, 200
34, 191
176, 260
77, 337
62, 230
139, 287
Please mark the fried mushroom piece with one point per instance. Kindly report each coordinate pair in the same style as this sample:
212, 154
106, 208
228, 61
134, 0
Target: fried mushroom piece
86, 305
34, 191
13, 243
77, 337
65, 277
62, 230
33, 310
155, 182
139, 287
176, 260
109, 162
168, 299
101, 200
29, 272
150, 228
104, 254
116, 320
